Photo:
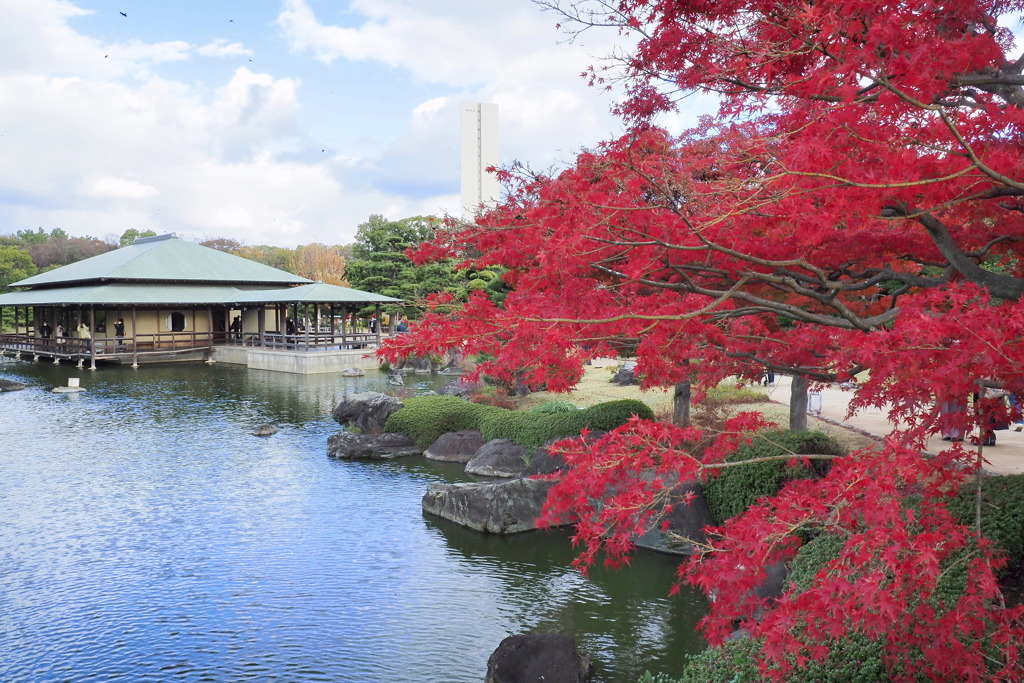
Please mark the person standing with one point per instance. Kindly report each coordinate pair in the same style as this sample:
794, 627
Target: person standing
45, 331
84, 333
119, 332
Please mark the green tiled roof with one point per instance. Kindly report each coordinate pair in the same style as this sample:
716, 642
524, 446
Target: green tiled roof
156, 294
164, 259
122, 294
316, 293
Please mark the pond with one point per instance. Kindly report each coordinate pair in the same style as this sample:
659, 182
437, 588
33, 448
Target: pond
145, 534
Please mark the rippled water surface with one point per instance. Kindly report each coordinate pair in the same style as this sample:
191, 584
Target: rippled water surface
146, 535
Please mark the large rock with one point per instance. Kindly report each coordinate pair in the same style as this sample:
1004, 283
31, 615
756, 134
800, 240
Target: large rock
498, 458
686, 523
458, 387
367, 411
544, 462
350, 446
455, 446
10, 385
548, 657
502, 507
420, 365
626, 375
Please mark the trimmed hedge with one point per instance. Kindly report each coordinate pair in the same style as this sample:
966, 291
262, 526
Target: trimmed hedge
426, 418
812, 558
532, 430
852, 660
737, 488
1002, 515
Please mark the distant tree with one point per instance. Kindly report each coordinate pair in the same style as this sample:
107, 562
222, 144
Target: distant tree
379, 262
322, 263
38, 236
129, 236
223, 244
281, 258
63, 251
15, 264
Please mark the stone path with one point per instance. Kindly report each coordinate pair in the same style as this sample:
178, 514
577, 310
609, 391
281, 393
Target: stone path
1006, 457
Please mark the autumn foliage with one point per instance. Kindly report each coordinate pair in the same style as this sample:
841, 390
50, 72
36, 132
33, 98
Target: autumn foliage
854, 204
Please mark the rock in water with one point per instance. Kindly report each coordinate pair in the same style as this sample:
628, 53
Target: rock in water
494, 507
368, 411
265, 430
548, 657
455, 446
10, 385
498, 458
349, 446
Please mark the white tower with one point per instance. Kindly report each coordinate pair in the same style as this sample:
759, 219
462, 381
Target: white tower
479, 150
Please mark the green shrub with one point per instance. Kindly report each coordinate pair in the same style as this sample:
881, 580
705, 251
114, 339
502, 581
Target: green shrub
812, 558
737, 488
531, 430
1002, 515
732, 662
555, 405
425, 418
856, 659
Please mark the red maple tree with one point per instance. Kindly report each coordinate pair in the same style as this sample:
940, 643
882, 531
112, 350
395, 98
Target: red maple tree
855, 204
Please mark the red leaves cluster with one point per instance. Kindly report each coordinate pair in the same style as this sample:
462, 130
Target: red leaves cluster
855, 205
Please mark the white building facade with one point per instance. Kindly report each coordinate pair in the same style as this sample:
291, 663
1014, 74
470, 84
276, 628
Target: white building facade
479, 144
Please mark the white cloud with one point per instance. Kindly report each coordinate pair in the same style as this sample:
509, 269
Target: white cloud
221, 48
102, 134
119, 188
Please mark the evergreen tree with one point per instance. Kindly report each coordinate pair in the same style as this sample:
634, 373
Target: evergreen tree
380, 265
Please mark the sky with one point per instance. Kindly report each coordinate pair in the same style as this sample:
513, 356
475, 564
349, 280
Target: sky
279, 122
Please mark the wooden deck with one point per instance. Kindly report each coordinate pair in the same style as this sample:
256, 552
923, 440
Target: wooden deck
175, 346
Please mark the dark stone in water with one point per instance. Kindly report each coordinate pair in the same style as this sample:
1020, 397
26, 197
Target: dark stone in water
8, 385
455, 446
548, 657
501, 507
498, 458
368, 411
350, 446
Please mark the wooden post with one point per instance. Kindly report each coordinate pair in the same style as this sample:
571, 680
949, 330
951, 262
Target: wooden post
798, 405
209, 333
344, 320
92, 333
380, 322
263, 324
135, 340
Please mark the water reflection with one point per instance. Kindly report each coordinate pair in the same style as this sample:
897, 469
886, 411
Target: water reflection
146, 534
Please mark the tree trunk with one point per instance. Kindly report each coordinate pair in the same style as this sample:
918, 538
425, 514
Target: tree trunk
681, 405
798, 405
